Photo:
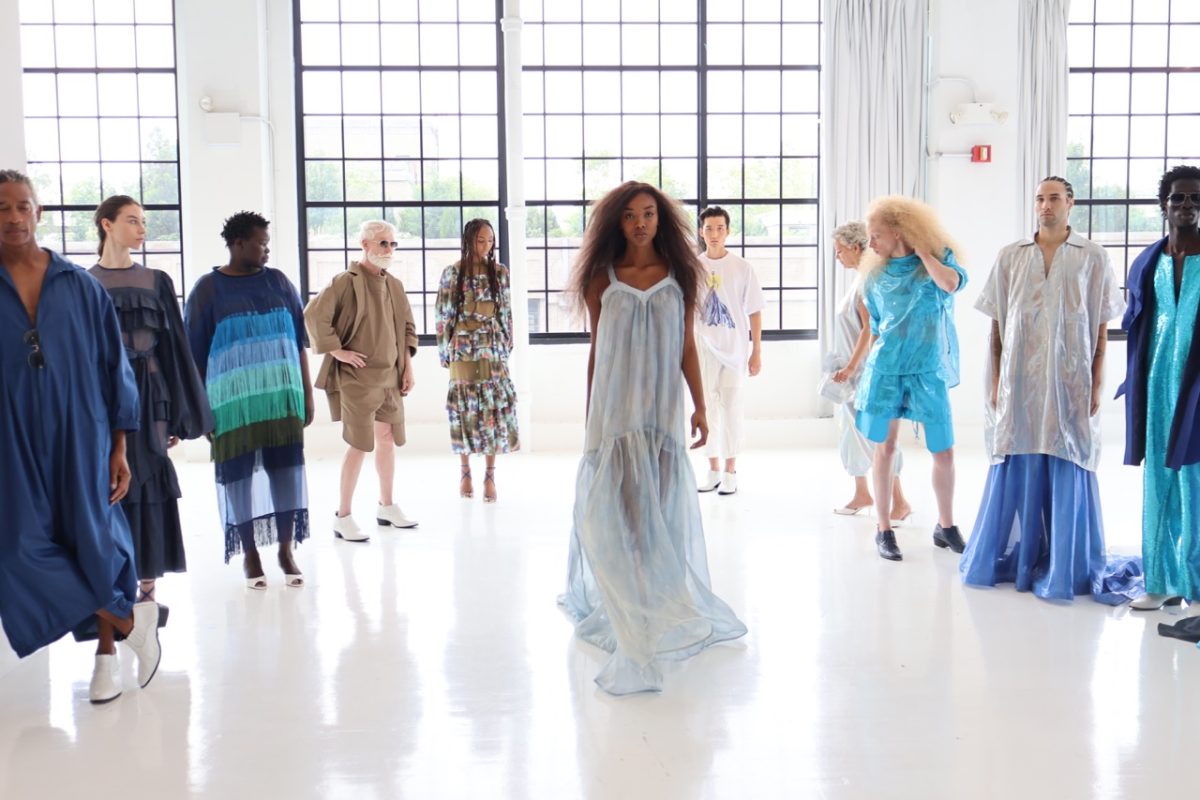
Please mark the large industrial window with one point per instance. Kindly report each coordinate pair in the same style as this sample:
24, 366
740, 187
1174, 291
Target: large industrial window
1134, 112
716, 102
400, 116
100, 120
399, 119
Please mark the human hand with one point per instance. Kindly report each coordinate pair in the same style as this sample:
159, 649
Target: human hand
842, 375
995, 394
755, 362
118, 476
172, 441
699, 423
349, 357
1095, 400
407, 382
310, 410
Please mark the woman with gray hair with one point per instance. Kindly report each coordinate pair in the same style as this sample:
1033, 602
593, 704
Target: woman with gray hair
851, 340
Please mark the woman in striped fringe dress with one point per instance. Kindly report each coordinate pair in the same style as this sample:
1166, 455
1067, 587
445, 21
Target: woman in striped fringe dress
246, 327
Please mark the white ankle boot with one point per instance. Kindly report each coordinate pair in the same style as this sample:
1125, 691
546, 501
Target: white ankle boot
714, 480
106, 682
143, 641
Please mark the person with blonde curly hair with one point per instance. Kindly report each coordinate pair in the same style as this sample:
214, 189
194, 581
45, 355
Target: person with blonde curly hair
913, 361
851, 339
637, 572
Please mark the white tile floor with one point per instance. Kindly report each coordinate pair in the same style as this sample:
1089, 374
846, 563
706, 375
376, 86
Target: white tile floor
435, 664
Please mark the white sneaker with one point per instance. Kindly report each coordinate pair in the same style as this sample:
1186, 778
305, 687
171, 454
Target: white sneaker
347, 529
392, 515
728, 483
143, 641
106, 685
714, 480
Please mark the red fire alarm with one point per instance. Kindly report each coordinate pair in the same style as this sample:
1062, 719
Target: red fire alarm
981, 154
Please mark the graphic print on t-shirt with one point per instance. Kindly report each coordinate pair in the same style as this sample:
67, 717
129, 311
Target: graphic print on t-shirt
715, 313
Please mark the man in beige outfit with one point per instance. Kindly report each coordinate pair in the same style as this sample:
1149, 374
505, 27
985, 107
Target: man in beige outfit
363, 323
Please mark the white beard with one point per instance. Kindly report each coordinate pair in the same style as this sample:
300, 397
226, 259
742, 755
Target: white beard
382, 262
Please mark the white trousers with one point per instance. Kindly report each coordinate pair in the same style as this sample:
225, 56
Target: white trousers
723, 397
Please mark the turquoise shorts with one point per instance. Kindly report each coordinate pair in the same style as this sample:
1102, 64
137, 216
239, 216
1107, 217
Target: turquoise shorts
922, 397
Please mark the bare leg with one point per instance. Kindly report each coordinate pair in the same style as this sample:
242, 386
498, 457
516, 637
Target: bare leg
465, 487
731, 465
286, 562
714, 464
885, 453
107, 624
943, 485
351, 467
251, 562
862, 493
900, 507
489, 479
385, 461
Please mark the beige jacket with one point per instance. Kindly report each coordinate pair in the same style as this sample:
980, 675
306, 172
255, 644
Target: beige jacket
334, 316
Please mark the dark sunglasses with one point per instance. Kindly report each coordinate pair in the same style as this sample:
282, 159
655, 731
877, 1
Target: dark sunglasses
386, 243
1177, 198
36, 357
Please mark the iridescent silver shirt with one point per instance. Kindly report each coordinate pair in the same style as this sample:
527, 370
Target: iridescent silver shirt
1049, 328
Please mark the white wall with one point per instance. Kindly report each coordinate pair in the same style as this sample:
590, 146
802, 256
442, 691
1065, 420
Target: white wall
246, 70
12, 133
976, 201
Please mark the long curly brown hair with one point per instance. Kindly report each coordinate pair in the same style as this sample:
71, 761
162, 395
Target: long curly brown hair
604, 243
468, 257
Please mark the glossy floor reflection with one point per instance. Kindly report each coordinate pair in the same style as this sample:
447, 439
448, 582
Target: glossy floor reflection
435, 664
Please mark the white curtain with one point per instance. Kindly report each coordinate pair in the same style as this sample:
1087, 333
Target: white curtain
1042, 113
872, 89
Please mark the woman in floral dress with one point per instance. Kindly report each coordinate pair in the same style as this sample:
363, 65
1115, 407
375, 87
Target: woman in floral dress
474, 332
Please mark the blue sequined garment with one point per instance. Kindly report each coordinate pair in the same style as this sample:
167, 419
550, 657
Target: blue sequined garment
1170, 540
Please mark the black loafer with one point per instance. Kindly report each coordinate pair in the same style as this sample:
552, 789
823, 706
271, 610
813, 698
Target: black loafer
948, 537
885, 543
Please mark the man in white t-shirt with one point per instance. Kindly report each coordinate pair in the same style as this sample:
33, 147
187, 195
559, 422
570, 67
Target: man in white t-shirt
730, 320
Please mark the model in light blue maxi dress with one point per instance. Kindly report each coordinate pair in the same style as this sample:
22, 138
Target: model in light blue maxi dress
1171, 513
637, 582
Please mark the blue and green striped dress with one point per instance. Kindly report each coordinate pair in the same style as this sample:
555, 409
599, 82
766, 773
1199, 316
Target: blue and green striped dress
247, 335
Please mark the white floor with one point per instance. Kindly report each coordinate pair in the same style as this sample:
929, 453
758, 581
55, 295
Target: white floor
435, 664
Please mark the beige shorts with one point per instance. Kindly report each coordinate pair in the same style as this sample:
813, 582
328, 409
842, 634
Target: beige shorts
363, 406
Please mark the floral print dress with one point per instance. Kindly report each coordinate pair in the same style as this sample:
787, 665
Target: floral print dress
474, 334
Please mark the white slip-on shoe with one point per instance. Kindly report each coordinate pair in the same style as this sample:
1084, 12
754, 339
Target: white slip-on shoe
392, 515
728, 483
1153, 602
714, 480
106, 683
347, 529
143, 641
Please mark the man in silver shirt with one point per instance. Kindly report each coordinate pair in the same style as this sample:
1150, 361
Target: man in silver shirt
1050, 299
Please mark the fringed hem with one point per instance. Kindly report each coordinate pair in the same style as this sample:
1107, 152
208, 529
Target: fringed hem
258, 436
266, 531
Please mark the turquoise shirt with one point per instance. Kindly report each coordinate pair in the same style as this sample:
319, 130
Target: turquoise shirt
913, 319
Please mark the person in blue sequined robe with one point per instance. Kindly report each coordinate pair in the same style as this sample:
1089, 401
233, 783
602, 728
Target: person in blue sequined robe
1162, 391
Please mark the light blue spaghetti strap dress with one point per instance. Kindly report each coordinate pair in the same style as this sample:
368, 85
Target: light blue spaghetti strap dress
637, 582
